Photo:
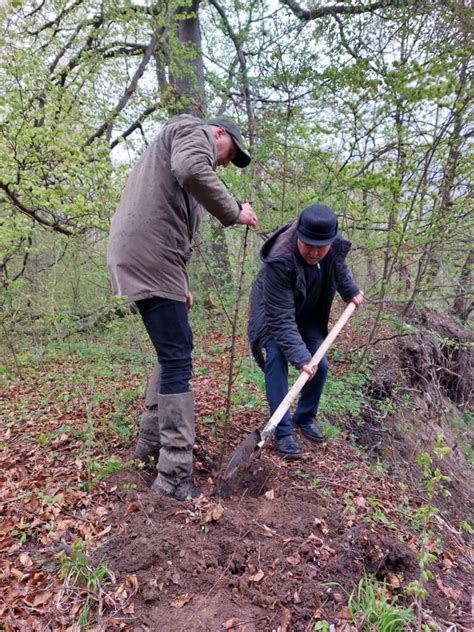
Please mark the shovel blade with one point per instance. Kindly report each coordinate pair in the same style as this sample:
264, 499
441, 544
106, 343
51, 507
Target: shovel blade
240, 462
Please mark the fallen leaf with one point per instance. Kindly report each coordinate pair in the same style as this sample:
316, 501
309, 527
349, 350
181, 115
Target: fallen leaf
259, 575
450, 593
267, 532
25, 560
344, 613
270, 494
132, 508
39, 598
294, 560
182, 600
214, 514
315, 539
393, 580
359, 501
132, 582
285, 620
230, 623
322, 525
19, 575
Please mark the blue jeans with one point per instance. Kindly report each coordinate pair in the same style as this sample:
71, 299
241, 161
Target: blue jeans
276, 385
167, 324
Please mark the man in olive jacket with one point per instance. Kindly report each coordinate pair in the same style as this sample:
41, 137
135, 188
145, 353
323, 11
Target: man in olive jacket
149, 248
303, 267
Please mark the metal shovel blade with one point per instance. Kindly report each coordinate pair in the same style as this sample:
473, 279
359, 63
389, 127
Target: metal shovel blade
240, 462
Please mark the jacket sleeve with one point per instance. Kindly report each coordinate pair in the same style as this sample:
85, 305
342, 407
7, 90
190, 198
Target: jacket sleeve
280, 317
346, 285
192, 164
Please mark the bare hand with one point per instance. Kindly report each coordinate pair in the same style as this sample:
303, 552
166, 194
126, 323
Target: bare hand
311, 371
247, 216
189, 301
358, 299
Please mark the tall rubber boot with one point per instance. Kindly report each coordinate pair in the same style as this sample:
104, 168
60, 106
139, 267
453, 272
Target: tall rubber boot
148, 444
175, 463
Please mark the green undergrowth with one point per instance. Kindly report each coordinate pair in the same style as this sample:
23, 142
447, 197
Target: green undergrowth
372, 607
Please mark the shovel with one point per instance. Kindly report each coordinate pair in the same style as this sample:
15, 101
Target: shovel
253, 444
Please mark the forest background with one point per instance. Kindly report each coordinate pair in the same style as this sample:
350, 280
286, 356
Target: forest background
363, 106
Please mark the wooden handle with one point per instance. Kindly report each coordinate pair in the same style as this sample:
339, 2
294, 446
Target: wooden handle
303, 378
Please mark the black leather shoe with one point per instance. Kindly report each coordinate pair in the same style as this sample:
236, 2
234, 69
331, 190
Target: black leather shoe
287, 446
312, 432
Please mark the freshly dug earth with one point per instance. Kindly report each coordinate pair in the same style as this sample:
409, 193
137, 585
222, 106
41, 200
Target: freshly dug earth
284, 552
292, 543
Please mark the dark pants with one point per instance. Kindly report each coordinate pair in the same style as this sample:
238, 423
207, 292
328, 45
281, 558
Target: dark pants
167, 324
276, 385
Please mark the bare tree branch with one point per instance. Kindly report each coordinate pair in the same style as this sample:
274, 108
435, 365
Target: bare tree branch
336, 9
129, 90
35, 214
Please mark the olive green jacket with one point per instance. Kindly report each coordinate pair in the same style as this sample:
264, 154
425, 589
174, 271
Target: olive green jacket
152, 230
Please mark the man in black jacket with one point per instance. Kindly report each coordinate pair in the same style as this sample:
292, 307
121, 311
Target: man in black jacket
303, 267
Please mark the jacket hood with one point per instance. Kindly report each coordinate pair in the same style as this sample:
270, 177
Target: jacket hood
279, 245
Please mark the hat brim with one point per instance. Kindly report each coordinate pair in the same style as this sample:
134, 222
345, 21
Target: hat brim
315, 242
242, 159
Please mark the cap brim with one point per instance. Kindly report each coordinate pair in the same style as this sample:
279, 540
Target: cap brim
242, 159
315, 242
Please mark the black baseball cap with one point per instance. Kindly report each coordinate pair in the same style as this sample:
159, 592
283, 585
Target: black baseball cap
317, 225
242, 158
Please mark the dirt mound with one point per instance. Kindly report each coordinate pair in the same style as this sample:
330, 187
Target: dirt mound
280, 559
439, 359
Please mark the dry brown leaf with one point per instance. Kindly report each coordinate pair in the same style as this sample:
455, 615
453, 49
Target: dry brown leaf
19, 575
259, 575
25, 560
359, 501
393, 580
230, 623
450, 593
214, 514
294, 560
132, 583
182, 600
132, 508
267, 532
285, 620
322, 525
40, 598
344, 613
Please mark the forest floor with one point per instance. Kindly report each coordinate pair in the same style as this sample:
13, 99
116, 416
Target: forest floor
84, 544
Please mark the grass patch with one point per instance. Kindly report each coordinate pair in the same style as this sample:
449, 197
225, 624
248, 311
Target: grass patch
371, 607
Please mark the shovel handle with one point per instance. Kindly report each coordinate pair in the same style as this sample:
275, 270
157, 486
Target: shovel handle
303, 378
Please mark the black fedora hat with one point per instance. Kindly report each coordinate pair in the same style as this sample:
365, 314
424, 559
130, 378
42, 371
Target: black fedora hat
317, 225
243, 157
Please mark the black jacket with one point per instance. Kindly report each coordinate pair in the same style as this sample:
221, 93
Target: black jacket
279, 294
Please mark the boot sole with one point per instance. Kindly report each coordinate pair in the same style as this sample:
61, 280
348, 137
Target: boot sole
290, 456
314, 439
